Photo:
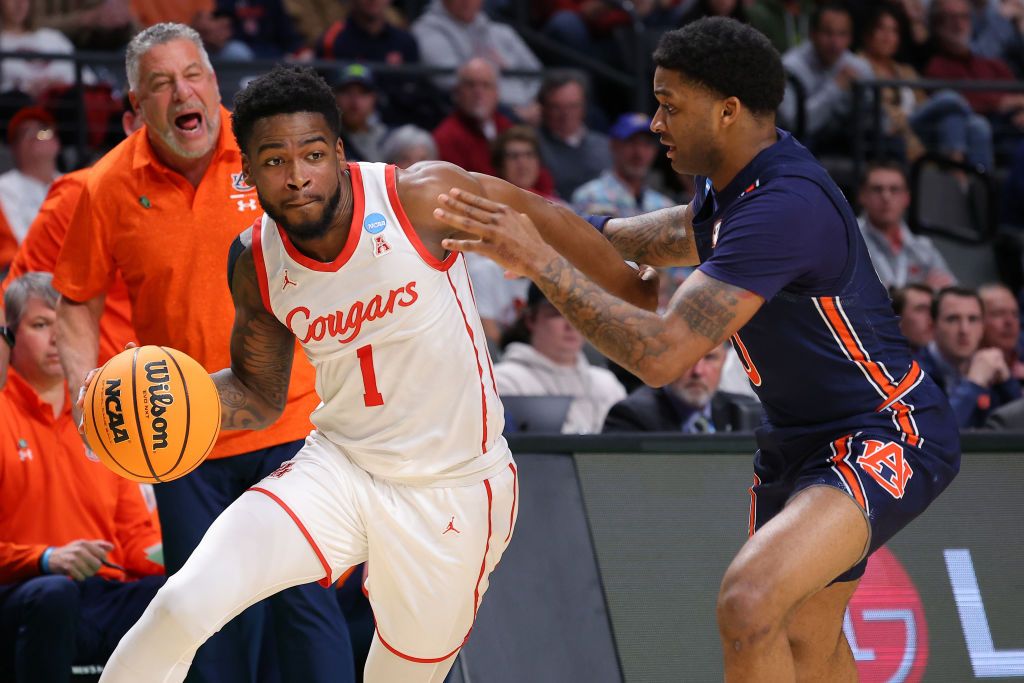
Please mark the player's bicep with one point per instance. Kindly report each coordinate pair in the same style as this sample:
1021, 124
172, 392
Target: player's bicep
709, 311
262, 349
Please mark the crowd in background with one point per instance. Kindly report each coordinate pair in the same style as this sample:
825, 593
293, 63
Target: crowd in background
502, 101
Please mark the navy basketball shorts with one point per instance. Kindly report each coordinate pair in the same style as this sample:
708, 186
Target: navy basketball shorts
891, 475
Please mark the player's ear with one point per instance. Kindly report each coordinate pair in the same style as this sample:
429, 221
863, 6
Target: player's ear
730, 110
245, 168
341, 151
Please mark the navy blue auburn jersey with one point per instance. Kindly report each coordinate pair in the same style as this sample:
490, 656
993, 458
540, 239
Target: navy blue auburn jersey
824, 353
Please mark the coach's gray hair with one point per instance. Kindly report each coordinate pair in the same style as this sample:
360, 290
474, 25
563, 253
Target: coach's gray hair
404, 137
21, 289
158, 34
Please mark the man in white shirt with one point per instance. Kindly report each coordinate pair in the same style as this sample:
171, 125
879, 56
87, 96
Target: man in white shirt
899, 256
32, 136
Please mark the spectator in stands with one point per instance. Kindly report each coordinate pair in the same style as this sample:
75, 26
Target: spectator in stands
75, 567
950, 21
464, 137
1002, 325
692, 404
41, 247
90, 24
826, 69
515, 155
311, 16
453, 32
361, 128
900, 257
263, 27
586, 26
623, 190
913, 304
407, 145
734, 9
32, 135
976, 380
574, 153
552, 363
995, 35
785, 22
32, 76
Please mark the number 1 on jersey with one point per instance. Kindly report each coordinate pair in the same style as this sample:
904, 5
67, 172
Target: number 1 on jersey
371, 396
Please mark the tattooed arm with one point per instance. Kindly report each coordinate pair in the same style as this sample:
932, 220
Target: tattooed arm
702, 314
253, 391
658, 238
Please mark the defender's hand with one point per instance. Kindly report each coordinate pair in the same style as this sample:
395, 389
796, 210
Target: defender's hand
508, 238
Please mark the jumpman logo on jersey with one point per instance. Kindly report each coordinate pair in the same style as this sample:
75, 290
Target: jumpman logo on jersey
288, 281
451, 527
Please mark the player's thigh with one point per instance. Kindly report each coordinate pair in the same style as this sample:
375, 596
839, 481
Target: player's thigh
817, 536
431, 552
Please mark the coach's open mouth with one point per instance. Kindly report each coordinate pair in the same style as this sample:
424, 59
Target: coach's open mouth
189, 123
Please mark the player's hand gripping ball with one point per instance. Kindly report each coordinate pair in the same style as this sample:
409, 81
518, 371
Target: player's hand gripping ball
152, 414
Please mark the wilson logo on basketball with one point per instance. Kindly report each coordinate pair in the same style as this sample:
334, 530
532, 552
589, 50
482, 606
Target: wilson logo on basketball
346, 325
159, 399
112, 407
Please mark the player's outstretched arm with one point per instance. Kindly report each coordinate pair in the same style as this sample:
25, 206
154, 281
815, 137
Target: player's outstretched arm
254, 390
419, 186
659, 238
78, 341
703, 313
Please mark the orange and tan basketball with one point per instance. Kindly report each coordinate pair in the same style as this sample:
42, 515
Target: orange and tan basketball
152, 414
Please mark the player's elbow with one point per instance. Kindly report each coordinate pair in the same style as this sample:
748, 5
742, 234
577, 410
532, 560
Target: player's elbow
655, 375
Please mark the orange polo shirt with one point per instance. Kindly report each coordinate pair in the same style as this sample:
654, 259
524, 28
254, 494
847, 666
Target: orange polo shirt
8, 242
51, 493
41, 246
169, 241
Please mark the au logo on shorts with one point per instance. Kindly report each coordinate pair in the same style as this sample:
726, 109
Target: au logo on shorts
885, 463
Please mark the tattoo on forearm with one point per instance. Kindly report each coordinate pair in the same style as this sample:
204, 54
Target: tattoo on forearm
662, 238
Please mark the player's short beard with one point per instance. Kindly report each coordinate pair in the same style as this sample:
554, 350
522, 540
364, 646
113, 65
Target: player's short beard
308, 230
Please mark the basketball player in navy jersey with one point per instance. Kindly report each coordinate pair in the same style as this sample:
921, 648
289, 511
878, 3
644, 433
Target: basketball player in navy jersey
858, 440
404, 472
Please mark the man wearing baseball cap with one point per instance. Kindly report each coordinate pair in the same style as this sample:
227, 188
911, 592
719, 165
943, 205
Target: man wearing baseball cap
32, 136
622, 190
362, 131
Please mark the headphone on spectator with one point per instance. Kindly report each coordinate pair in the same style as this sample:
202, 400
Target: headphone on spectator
7, 333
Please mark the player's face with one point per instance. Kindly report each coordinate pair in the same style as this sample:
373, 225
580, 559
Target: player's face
296, 164
553, 336
1002, 319
178, 98
685, 123
699, 383
958, 327
916, 319
34, 355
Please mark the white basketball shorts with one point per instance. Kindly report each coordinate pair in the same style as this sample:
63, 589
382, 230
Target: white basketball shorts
429, 550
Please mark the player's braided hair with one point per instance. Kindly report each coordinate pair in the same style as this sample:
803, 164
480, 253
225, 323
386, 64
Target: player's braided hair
286, 89
727, 57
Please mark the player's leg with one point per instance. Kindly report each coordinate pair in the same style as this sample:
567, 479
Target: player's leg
820, 649
820, 534
309, 628
253, 550
384, 665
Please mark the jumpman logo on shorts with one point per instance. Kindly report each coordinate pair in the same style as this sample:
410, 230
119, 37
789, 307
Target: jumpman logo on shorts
451, 527
288, 281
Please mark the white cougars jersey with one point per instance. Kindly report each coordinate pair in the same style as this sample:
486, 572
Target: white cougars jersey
402, 367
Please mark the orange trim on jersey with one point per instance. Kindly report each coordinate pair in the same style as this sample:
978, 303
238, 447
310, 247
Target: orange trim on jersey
512, 513
355, 229
752, 522
326, 581
842, 449
476, 597
391, 181
261, 264
479, 368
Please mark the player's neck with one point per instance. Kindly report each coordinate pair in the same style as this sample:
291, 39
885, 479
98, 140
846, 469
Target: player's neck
738, 155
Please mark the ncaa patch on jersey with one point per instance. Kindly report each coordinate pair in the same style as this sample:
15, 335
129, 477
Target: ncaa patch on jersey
375, 223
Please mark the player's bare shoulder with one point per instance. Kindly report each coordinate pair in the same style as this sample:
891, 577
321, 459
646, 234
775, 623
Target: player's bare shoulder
418, 189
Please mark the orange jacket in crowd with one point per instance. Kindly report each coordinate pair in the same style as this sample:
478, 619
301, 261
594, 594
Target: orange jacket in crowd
169, 241
39, 251
8, 242
51, 493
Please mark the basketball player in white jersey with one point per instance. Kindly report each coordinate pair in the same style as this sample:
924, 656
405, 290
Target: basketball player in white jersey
406, 469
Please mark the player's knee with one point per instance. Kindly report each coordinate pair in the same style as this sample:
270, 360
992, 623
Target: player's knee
746, 612
176, 609
53, 599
